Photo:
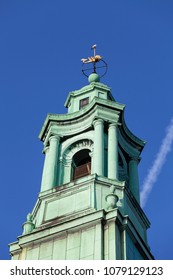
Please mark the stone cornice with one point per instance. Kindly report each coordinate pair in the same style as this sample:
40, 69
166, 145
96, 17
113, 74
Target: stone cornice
69, 119
92, 217
111, 111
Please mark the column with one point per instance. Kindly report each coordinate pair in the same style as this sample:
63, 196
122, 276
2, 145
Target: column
50, 165
99, 147
112, 152
133, 178
124, 245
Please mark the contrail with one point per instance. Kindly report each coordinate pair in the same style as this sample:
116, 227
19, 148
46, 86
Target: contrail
158, 163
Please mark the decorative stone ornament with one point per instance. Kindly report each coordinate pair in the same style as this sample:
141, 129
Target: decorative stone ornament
111, 199
28, 226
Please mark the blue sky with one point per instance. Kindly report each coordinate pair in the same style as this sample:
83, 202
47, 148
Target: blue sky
41, 44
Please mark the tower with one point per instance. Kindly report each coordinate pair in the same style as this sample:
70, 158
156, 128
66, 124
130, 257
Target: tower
89, 205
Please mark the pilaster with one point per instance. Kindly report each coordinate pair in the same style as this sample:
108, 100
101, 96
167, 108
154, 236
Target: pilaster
112, 152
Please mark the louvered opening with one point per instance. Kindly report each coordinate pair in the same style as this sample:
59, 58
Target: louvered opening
83, 170
81, 164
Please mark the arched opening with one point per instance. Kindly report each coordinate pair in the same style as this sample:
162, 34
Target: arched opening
81, 164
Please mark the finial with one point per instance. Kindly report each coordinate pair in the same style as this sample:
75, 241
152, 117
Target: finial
94, 60
28, 226
29, 217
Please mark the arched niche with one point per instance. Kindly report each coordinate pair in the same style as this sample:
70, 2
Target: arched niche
77, 158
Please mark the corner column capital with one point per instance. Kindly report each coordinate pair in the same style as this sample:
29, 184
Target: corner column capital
54, 137
134, 159
97, 122
112, 124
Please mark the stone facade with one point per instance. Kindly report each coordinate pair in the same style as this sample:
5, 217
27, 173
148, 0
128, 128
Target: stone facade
89, 205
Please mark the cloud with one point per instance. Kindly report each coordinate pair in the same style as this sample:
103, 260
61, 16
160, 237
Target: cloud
158, 163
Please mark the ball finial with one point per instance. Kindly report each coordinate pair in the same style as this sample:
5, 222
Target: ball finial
94, 77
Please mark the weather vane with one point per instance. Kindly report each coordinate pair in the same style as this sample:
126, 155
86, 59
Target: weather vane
99, 69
